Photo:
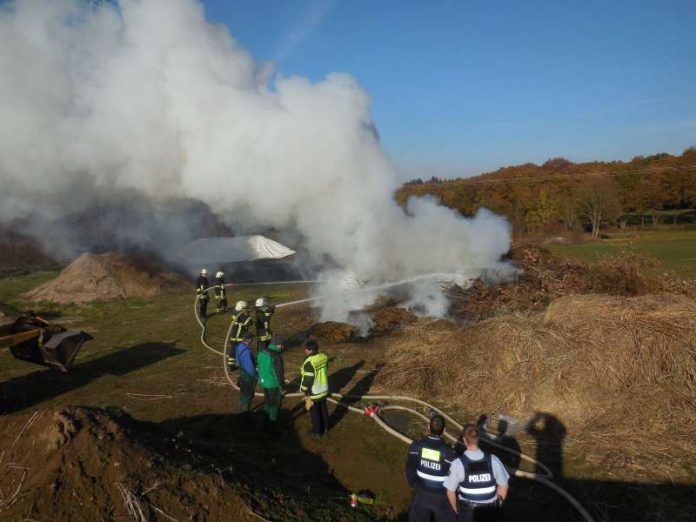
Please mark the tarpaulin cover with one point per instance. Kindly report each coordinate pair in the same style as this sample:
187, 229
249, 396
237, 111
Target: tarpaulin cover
218, 250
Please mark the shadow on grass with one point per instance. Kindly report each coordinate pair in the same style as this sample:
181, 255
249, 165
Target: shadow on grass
277, 475
620, 501
36, 387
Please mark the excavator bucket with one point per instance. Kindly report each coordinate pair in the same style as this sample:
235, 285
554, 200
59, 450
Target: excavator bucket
38, 341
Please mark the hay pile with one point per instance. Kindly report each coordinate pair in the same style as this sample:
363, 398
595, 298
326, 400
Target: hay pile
106, 277
617, 368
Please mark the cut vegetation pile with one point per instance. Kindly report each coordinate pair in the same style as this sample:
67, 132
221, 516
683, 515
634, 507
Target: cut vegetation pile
613, 369
106, 277
92, 464
545, 277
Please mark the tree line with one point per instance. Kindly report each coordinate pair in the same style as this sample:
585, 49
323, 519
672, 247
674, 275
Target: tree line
561, 194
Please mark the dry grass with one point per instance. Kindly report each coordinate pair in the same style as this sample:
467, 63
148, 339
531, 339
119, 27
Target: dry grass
605, 365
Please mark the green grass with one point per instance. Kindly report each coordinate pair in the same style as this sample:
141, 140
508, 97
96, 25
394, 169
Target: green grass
675, 249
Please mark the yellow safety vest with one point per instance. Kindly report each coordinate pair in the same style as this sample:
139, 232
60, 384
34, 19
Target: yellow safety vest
320, 371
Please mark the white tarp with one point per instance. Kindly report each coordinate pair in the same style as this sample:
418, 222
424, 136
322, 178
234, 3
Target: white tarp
220, 250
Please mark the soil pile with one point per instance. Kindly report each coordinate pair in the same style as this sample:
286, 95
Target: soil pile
106, 277
611, 368
92, 464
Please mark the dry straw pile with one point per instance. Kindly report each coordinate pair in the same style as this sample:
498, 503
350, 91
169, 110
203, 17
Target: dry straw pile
611, 368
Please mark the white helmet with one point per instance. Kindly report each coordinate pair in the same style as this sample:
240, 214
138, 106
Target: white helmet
240, 305
261, 302
204, 271
219, 275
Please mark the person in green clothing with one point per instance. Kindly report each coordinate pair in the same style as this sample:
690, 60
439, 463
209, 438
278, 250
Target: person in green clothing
272, 379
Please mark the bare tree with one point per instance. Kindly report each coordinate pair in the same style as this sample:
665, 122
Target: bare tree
598, 203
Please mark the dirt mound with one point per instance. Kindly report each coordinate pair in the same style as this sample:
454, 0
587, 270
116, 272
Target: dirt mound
623, 366
106, 277
92, 464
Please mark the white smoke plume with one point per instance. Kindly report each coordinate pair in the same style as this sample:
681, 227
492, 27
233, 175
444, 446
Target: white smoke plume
150, 97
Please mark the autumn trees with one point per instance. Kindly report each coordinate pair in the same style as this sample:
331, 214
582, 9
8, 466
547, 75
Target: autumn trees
563, 195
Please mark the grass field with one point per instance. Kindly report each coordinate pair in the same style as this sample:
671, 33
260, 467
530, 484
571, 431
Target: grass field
151, 349
675, 249
143, 348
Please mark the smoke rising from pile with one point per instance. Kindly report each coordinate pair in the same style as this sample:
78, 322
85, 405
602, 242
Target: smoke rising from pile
152, 98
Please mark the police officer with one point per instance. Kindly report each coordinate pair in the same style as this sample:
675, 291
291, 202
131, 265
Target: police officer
264, 312
241, 322
477, 482
314, 383
202, 287
427, 466
220, 292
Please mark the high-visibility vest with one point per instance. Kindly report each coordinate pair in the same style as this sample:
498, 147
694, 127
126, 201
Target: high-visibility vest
479, 485
320, 371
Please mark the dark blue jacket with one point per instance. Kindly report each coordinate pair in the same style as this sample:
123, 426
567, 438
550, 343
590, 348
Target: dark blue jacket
428, 463
245, 359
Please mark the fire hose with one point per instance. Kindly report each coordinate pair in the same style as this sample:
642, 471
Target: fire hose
338, 399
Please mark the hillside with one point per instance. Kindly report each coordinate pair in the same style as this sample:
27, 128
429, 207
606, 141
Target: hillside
563, 195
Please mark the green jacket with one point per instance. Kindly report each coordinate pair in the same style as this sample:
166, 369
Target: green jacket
271, 367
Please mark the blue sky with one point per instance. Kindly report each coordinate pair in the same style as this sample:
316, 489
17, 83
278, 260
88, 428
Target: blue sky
465, 86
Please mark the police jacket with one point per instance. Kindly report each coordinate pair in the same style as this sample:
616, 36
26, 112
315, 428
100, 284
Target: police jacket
240, 324
479, 485
315, 376
202, 286
428, 463
263, 323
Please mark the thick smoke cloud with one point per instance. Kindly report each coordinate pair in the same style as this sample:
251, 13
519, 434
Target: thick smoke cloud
152, 98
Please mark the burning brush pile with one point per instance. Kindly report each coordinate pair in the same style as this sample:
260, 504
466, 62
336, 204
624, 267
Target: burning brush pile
545, 277
106, 277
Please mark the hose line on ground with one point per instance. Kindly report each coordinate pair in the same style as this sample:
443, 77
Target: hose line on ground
338, 399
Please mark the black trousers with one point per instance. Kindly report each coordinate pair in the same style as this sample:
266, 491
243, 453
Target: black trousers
203, 308
319, 414
427, 506
478, 514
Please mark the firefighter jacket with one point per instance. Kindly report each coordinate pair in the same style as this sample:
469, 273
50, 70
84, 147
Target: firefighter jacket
241, 322
202, 287
263, 323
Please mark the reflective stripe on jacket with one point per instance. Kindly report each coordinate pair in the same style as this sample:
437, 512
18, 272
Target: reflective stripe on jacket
315, 376
479, 485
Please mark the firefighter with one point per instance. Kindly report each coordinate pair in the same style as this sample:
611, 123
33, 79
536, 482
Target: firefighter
241, 322
264, 312
427, 466
272, 379
247, 373
477, 482
315, 386
220, 292
202, 287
